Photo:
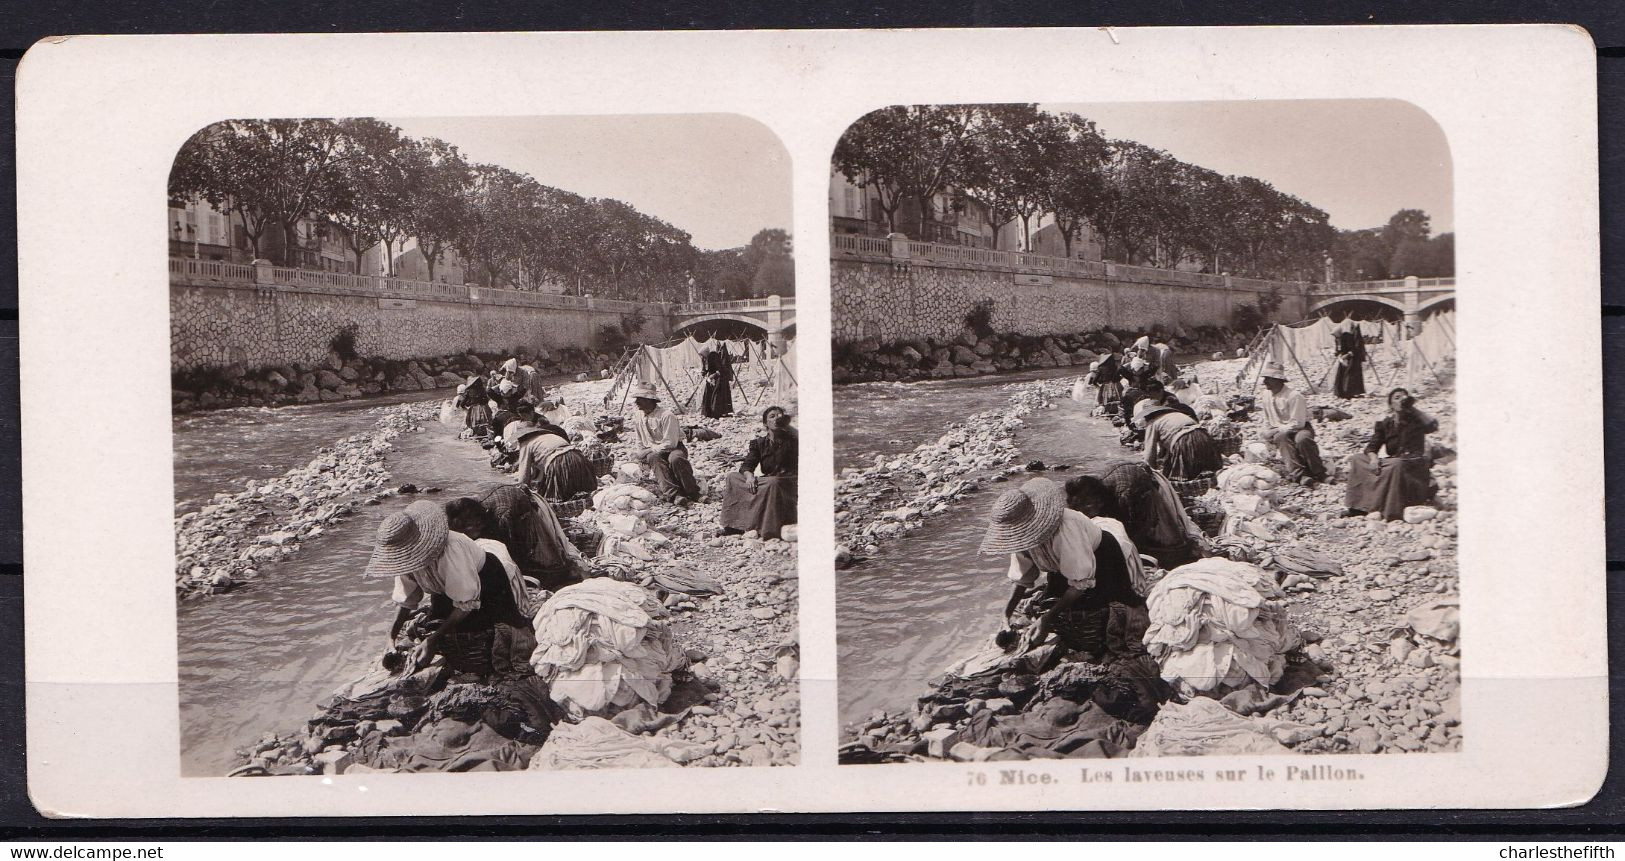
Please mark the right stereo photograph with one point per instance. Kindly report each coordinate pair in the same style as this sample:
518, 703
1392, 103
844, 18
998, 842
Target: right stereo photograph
1145, 431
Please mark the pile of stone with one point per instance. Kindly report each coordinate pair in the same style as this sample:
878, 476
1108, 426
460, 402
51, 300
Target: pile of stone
895, 495
969, 354
337, 378
740, 690
227, 541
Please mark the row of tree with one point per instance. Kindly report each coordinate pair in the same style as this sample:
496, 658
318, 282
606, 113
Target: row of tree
1142, 204
1404, 246
383, 188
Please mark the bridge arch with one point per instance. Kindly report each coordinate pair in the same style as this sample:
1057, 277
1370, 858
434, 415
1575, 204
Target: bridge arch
1446, 302
710, 321
1349, 303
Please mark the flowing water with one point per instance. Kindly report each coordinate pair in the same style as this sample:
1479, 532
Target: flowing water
259, 658
928, 598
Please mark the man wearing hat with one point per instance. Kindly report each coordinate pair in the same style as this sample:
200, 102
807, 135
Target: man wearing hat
663, 450
1063, 555
1289, 429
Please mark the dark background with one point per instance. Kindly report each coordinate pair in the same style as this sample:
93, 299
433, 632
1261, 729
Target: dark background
23, 24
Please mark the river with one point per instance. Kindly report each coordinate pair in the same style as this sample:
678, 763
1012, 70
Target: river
928, 598
258, 659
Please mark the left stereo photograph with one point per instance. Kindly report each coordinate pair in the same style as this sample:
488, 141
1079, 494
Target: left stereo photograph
485, 444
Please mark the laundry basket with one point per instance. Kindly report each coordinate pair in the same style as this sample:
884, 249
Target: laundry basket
1190, 488
571, 507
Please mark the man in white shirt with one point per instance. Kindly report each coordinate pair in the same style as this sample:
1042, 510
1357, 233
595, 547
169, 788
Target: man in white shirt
663, 450
1289, 429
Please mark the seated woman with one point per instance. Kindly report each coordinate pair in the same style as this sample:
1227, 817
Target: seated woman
766, 503
1146, 504
1076, 566
1175, 444
1404, 477
480, 627
548, 463
530, 532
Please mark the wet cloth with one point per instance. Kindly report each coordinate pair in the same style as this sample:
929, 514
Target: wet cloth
555, 468
1055, 728
535, 539
1391, 486
1204, 727
1217, 625
765, 504
1349, 379
604, 645
1179, 448
597, 743
458, 746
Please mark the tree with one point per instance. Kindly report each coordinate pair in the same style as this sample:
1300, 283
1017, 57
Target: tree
768, 258
496, 203
368, 195
1005, 162
436, 181
905, 153
223, 167
1074, 183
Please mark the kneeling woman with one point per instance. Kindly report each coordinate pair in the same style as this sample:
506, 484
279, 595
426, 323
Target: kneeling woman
1082, 564
481, 629
549, 464
1146, 504
1175, 444
1404, 477
765, 503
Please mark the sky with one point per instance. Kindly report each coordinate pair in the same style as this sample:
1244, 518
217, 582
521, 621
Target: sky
721, 177
1359, 160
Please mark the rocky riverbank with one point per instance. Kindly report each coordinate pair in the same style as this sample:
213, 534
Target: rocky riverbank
224, 543
970, 354
735, 700
1377, 670
895, 495
339, 378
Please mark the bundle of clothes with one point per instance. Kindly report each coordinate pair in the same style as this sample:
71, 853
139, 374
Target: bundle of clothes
603, 646
1218, 625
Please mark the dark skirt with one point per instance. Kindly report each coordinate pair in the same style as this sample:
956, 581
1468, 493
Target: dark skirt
1192, 454
767, 508
566, 474
718, 400
1395, 484
1110, 393
1349, 380
478, 418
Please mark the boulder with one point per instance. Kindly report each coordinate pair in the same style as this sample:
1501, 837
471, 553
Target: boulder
348, 373
330, 395
964, 356
276, 380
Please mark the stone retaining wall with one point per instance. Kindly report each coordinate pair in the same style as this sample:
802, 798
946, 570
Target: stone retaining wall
892, 301
215, 324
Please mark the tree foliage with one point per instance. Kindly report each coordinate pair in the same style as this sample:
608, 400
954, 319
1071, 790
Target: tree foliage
383, 187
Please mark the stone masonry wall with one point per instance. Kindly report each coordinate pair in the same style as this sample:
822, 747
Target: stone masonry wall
876, 299
214, 325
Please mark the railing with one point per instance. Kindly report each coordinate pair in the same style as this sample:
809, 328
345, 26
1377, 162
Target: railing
934, 252
217, 270
1394, 285
786, 304
283, 276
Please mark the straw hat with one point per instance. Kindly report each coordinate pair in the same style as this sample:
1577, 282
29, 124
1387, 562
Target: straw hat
1144, 410
1274, 371
645, 390
517, 432
1024, 517
408, 541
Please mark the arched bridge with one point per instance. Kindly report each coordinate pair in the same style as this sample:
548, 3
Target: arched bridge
775, 315
1412, 297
